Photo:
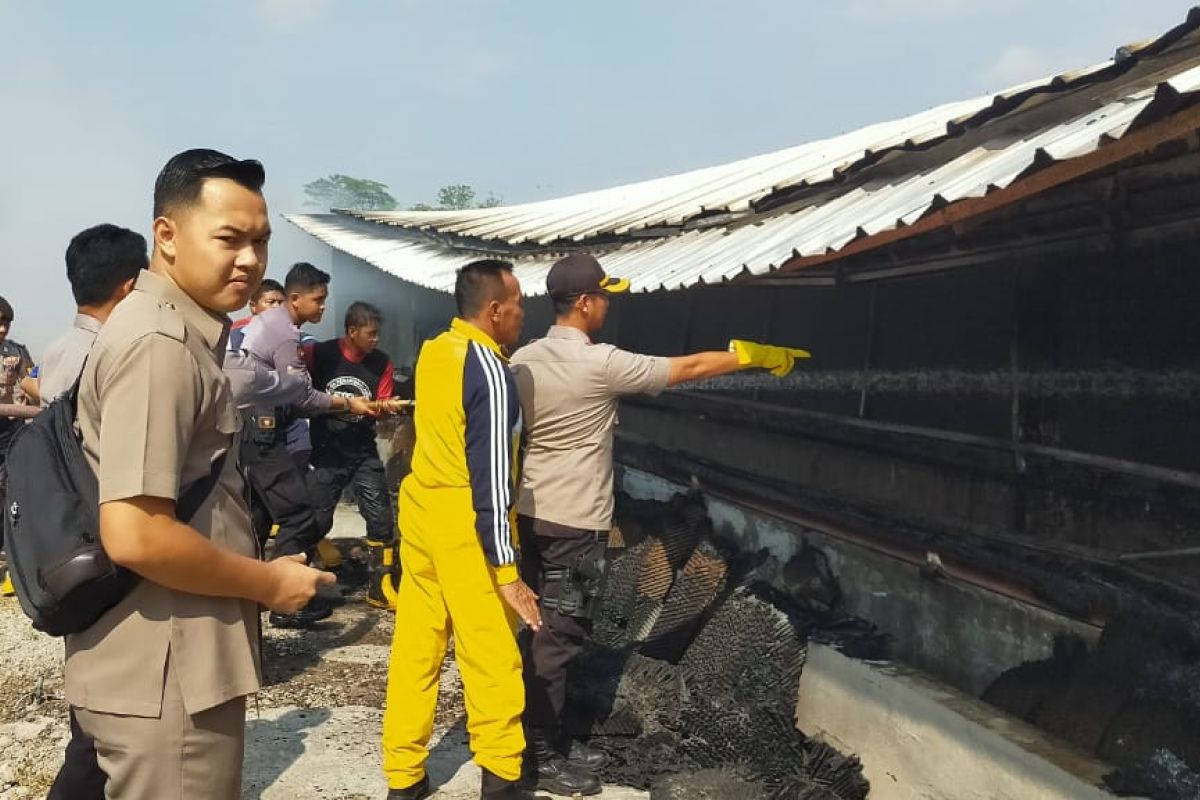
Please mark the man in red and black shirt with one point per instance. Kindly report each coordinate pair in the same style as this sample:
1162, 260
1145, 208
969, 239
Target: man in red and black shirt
344, 451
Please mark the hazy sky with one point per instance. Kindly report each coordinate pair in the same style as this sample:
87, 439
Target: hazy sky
528, 99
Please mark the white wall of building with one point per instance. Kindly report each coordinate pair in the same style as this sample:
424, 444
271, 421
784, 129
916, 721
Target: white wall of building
411, 313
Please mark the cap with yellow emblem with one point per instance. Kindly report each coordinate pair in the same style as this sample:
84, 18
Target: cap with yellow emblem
580, 273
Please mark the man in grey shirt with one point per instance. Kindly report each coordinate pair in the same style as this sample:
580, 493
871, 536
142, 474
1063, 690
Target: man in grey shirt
103, 263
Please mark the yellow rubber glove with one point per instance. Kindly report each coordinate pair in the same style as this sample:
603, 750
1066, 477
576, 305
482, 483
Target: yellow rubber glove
779, 360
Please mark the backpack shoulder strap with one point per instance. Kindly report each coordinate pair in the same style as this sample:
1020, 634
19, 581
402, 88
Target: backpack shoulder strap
193, 497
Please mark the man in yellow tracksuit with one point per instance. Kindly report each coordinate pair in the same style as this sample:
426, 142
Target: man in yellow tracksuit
458, 547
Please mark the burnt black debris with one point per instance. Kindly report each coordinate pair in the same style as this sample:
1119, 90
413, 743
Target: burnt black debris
690, 685
695, 588
1162, 776
1134, 701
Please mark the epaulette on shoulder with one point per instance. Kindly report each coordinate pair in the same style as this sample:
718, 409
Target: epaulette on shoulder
170, 321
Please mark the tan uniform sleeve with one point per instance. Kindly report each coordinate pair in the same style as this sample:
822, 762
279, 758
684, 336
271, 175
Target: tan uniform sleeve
631, 373
149, 397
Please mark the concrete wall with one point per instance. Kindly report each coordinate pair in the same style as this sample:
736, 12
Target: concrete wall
919, 740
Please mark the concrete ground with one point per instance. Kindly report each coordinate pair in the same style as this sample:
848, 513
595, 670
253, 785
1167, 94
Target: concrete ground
293, 752
312, 732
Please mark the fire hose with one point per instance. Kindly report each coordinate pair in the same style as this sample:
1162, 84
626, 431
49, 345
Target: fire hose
392, 405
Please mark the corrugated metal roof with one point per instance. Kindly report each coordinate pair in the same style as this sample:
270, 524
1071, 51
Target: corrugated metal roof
676, 198
710, 225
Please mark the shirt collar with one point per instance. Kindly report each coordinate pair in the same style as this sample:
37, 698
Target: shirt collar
464, 328
567, 332
350, 352
211, 325
86, 322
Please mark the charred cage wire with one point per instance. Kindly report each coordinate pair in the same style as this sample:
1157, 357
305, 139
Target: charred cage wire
690, 685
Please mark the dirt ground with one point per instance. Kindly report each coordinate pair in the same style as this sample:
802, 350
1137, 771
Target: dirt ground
313, 731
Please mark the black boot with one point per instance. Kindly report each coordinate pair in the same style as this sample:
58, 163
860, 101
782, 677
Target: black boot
591, 759
493, 787
553, 772
316, 610
418, 791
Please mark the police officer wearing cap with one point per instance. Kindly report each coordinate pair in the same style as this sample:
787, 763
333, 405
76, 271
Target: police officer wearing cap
569, 388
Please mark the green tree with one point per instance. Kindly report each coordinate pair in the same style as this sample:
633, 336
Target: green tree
343, 191
456, 197
459, 196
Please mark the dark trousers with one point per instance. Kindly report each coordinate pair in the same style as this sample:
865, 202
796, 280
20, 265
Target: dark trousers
80, 777
278, 494
300, 459
547, 653
330, 476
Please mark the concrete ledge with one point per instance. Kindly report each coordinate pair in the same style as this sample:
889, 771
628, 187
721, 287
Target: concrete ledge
922, 739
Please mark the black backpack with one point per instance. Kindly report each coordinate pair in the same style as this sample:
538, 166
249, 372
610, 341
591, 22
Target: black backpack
62, 576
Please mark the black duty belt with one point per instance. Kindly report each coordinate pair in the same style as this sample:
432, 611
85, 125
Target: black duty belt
575, 590
260, 428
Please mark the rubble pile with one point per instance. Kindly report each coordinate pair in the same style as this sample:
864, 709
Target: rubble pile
690, 686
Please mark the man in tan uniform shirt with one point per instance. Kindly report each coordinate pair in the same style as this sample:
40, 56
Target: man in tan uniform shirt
160, 681
569, 389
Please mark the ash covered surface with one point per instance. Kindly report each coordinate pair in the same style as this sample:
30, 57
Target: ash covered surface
690, 685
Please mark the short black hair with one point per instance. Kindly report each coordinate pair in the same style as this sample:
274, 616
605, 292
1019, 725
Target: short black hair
268, 285
478, 283
180, 181
563, 305
102, 258
6, 312
360, 315
304, 277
